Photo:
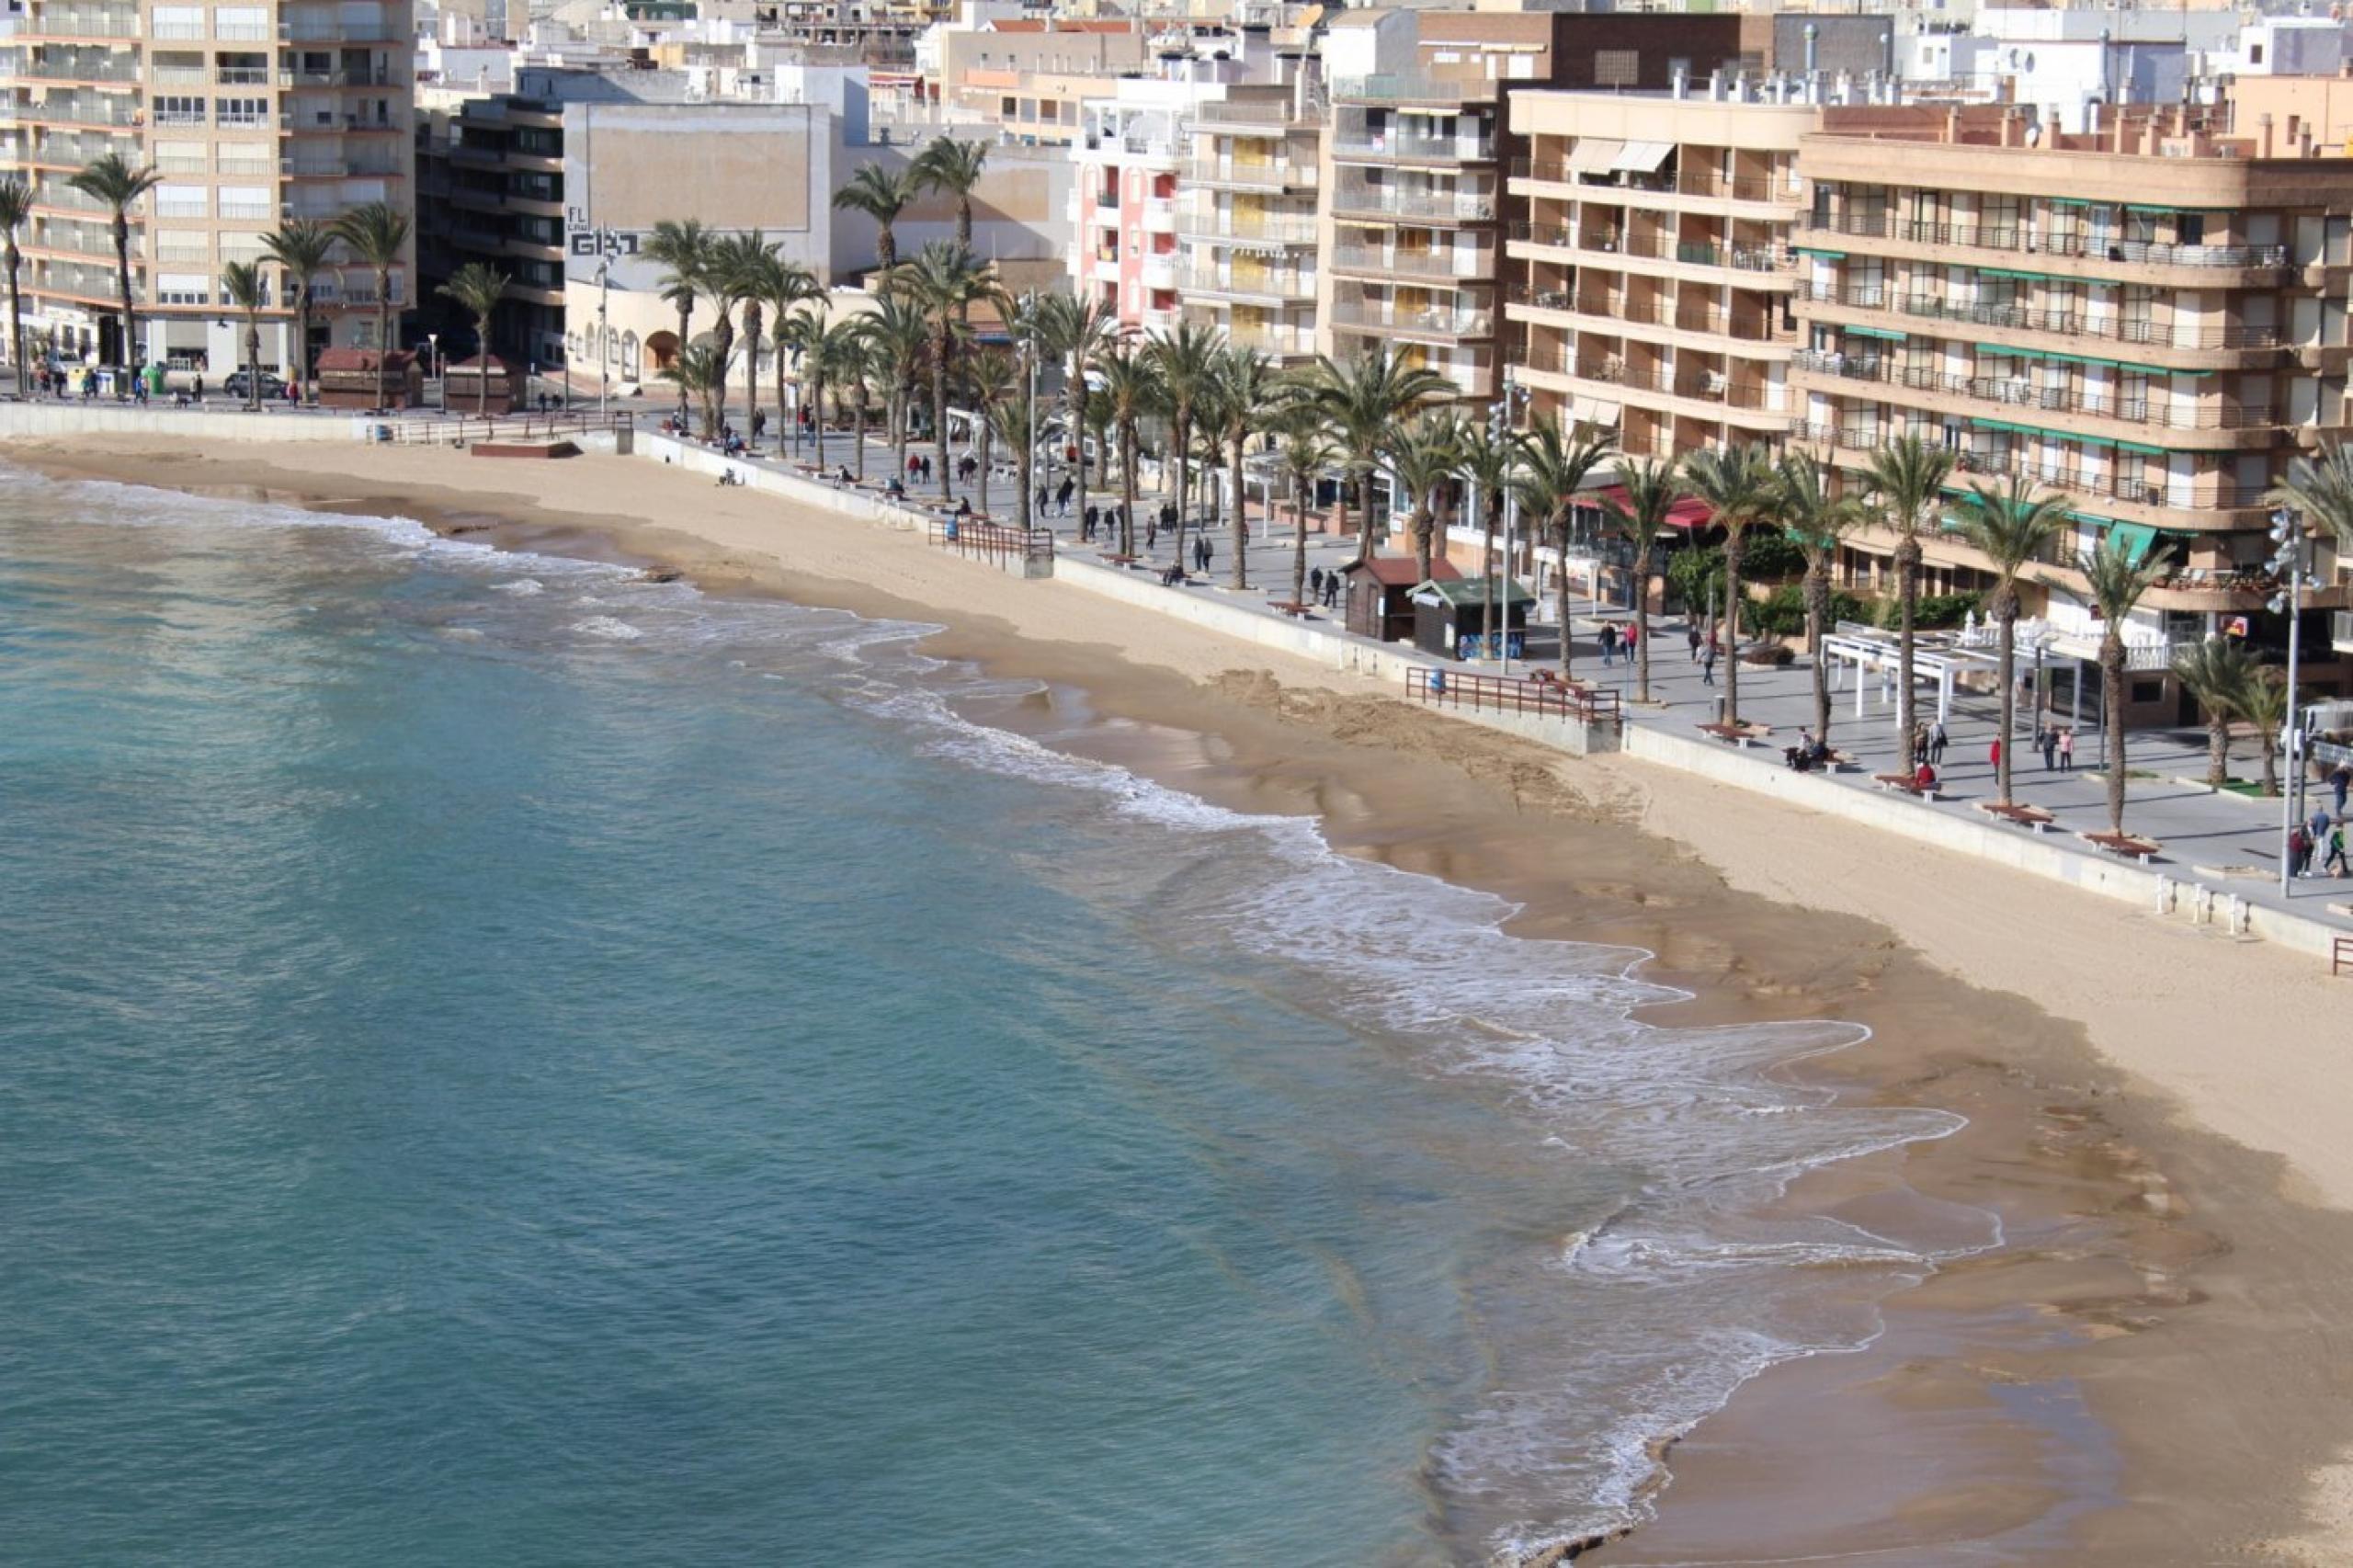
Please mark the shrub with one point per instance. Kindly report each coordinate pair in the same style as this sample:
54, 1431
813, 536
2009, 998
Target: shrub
1783, 612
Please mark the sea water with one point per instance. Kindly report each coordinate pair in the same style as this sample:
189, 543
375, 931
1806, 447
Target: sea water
508, 1062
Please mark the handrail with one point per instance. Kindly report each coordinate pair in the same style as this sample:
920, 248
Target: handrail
2026, 318
2017, 391
997, 543
2021, 239
1546, 697
467, 430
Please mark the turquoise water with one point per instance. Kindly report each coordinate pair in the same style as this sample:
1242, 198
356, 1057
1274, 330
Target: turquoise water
509, 1062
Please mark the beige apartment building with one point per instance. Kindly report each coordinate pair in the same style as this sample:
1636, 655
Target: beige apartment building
1245, 218
252, 114
1413, 203
2148, 318
1647, 293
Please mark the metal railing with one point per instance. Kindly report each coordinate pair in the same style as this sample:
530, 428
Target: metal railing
2018, 391
2029, 318
1467, 268
1450, 324
1265, 285
458, 429
1255, 177
2020, 239
1498, 693
996, 544
1657, 247
1463, 206
1210, 225
1746, 393
1414, 86
1756, 327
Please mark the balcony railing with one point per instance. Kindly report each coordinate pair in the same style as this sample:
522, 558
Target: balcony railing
1415, 87
1261, 286
85, 24
1657, 247
1461, 207
1744, 394
1754, 327
1236, 112
2028, 318
2016, 238
2205, 490
107, 68
105, 112
1467, 267
1690, 182
1255, 177
1404, 144
1390, 318
2018, 391
2340, 630
1237, 226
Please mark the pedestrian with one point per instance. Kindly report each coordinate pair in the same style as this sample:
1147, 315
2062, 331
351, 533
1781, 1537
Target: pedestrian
1209, 553
759, 424
1086, 527
1633, 632
2336, 852
2319, 826
1937, 738
2043, 743
1315, 585
199, 386
2066, 749
2300, 850
1168, 514
1331, 590
1993, 756
1695, 641
1608, 643
2341, 780
1041, 498
1707, 663
1062, 497
1151, 530
1915, 749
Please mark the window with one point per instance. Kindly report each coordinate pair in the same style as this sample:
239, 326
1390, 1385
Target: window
242, 113
247, 201
1616, 67
2146, 692
176, 109
245, 23
183, 289
183, 244
180, 158
180, 22
179, 201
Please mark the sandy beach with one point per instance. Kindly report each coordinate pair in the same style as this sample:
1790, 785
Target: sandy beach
2145, 1373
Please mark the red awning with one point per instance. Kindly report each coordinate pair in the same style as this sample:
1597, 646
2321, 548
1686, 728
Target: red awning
1686, 514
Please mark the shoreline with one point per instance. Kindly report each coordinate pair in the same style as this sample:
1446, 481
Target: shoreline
2114, 1280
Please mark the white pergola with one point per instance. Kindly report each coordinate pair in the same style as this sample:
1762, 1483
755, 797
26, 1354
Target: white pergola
1868, 651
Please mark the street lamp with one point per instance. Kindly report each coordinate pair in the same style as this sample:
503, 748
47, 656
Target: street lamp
603, 337
2288, 565
433, 363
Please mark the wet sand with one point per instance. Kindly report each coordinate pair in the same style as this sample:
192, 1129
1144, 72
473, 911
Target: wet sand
2143, 1374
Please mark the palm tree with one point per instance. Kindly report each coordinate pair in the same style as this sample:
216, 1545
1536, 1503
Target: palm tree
1185, 361
943, 281
2267, 703
1553, 468
1423, 454
117, 183
2112, 590
375, 235
828, 351
700, 370
781, 286
1246, 388
684, 246
881, 194
1906, 479
1076, 329
16, 206
1739, 485
2322, 491
990, 377
1360, 397
1489, 458
1815, 521
952, 166
2215, 673
740, 264
1131, 383
1012, 419
301, 247
859, 355
901, 340
1308, 450
2012, 528
246, 288
476, 288
1652, 489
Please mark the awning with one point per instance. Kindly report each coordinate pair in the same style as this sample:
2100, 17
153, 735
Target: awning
1687, 512
1641, 158
1875, 332
1822, 255
2136, 447
2133, 539
1594, 411
1594, 154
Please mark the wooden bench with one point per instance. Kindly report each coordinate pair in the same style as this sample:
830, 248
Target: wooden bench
2033, 817
1905, 784
1737, 735
1841, 763
1122, 560
2124, 844
1290, 607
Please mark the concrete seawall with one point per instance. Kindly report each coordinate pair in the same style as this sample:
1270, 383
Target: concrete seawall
37, 420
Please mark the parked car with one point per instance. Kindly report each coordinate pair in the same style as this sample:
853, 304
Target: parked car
272, 387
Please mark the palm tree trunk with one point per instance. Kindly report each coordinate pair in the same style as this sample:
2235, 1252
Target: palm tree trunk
1560, 594
2218, 748
1731, 627
820, 397
899, 432
383, 333
751, 368
1299, 546
2009, 706
858, 403
1908, 599
1641, 626
1184, 478
964, 219
886, 246
1817, 610
2111, 695
685, 321
303, 349
1241, 514
1362, 485
16, 321
482, 381
1075, 411
984, 468
122, 351
1128, 487
939, 406
1487, 574
1422, 523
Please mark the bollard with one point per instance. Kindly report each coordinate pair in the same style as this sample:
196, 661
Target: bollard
2238, 915
2164, 894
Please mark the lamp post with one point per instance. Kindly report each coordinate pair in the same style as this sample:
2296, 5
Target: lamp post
2288, 565
433, 362
603, 337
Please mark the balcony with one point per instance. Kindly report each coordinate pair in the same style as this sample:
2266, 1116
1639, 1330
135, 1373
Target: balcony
1444, 323
1414, 87
1256, 115
2340, 630
1230, 228
1465, 265
1759, 258
1401, 146
1746, 401
1261, 288
1160, 213
2017, 391
114, 69
1381, 205
1702, 184
2013, 239
2209, 495
1280, 343
1159, 271
1227, 175
2055, 323
1606, 315
122, 23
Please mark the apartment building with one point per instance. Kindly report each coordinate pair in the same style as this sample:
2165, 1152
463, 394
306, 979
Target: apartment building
1647, 294
1246, 217
2148, 317
1126, 165
252, 113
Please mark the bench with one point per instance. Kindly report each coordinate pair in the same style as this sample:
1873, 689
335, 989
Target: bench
2124, 844
1736, 735
1122, 560
1841, 763
1290, 607
2033, 817
1905, 783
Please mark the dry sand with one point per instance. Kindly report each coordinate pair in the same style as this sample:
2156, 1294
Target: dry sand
2149, 1373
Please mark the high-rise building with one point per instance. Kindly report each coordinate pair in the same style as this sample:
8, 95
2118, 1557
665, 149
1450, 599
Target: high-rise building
252, 114
1246, 218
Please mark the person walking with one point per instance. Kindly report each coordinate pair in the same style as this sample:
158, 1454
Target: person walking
1062, 497
1087, 525
2334, 865
2047, 744
1936, 739
1315, 585
1994, 756
1695, 640
1707, 663
2066, 749
1634, 633
1041, 497
2300, 849
2340, 782
1608, 643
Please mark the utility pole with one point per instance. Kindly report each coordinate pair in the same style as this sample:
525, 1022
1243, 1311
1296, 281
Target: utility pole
2288, 565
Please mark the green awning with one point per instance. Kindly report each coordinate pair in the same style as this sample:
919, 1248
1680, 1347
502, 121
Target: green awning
1874, 332
2066, 201
2159, 370
2095, 522
2134, 539
2086, 440
1825, 254
2136, 447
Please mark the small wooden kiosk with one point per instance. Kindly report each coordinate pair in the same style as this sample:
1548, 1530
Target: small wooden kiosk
1450, 617
368, 379
462, 389
1380, 595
